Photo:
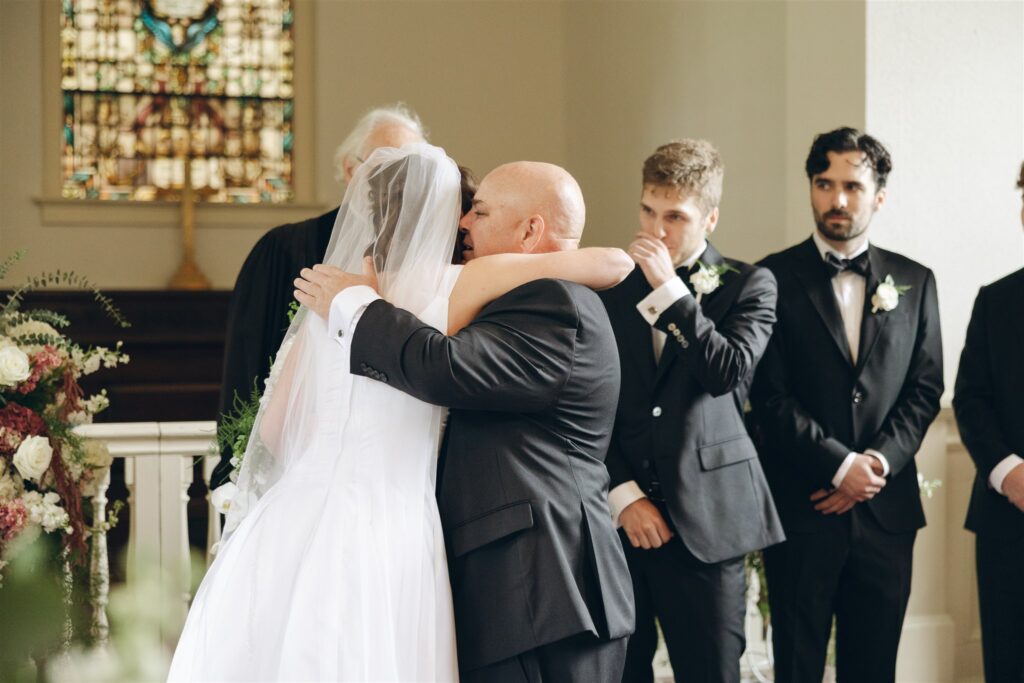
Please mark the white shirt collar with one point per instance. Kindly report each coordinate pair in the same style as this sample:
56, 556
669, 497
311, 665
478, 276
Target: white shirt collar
692, 258
824, 248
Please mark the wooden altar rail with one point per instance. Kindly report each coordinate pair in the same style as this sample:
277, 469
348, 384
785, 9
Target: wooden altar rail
159, 458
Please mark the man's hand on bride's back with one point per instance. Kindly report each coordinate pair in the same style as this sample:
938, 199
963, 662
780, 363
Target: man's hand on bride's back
316, 287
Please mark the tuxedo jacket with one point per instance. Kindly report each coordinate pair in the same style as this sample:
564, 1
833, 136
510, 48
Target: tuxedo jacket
532, 384
258, 312
813, 406
989, 399
681, 421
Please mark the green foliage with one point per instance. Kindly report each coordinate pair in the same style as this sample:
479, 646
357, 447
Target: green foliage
293, 309
56, 278
236, 425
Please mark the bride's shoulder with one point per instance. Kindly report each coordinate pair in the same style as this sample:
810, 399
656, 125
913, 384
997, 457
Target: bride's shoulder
452, 276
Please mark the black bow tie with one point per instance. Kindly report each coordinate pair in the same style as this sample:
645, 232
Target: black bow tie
858, 264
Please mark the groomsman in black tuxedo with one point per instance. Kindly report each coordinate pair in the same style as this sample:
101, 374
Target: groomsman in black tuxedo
843, 397
989, 405
686, 485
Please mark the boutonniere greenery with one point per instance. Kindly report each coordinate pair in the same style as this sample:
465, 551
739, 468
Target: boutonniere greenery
887, 295
709, 278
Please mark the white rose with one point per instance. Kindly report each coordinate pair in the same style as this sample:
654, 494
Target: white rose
97, 455
704, 282
886, 296
14, 366
221, 497
33, 457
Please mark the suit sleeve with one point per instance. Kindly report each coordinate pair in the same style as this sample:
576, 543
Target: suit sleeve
903, 430
974, 396
723, 358
516, 356
794, 435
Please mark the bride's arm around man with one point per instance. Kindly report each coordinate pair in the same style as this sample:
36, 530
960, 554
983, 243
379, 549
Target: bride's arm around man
539, 580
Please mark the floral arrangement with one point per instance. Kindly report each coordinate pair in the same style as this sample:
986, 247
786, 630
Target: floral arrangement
45, 468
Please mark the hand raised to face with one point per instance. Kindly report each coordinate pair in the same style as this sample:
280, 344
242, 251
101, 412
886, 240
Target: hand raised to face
316, 287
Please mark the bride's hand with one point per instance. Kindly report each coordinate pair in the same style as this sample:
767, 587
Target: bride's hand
316, 287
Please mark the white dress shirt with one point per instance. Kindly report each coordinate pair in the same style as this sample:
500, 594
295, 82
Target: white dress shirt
651, 307
850, 289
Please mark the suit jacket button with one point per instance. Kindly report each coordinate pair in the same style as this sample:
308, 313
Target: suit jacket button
656, 412
858, 397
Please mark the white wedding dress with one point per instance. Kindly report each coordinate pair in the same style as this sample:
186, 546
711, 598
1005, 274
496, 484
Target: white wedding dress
338, 573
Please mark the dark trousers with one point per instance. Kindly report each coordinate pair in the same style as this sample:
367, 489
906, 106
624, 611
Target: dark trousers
856, 571
1001, 603
581, 658
700, 607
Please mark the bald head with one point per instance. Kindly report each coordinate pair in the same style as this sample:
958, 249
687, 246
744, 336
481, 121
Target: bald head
524, 207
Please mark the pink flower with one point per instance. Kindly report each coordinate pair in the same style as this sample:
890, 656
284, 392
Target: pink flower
43, 361
13, 517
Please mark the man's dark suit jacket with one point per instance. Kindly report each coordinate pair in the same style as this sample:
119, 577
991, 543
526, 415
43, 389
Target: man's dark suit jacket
813, 406
683, 419
989, 403
532, 384
258, 313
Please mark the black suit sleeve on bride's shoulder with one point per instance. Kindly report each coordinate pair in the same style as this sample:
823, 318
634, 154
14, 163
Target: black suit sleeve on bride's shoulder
515, 356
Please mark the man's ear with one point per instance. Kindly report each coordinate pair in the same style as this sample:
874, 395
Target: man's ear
711, 222
879, 199
533, 231
348, 168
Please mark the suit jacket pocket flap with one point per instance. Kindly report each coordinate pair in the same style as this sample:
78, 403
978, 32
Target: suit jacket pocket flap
724, 453
491, 526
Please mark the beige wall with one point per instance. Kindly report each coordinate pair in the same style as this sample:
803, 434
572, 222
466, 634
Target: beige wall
593, 85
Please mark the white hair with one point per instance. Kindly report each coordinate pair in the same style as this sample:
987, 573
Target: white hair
352, 146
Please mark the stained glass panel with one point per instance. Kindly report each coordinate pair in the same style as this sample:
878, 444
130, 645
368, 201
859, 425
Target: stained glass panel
150, 85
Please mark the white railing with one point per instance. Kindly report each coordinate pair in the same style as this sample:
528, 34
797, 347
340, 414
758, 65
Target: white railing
159, 458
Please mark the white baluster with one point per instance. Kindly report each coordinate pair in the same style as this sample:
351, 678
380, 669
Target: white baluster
99, 566
213, 526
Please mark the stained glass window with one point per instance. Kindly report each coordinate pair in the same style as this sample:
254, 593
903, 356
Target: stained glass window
150, 85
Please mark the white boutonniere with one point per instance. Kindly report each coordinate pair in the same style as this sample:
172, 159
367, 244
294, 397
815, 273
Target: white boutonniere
708, 278
887, 295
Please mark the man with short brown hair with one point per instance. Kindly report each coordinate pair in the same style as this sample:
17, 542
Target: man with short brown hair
687, 488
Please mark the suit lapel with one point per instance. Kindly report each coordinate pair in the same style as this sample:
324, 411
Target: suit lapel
871, 323
818, 287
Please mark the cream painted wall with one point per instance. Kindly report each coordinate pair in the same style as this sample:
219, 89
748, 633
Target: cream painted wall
640, 74
945, 92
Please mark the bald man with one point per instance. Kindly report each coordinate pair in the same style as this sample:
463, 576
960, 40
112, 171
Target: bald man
539, 579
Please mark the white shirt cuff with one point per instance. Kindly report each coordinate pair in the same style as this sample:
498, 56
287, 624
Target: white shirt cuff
999, 472
346, 309
837, 480
657, 302
880, 458
621, 497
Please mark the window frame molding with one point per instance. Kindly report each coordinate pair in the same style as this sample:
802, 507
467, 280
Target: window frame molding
57, 210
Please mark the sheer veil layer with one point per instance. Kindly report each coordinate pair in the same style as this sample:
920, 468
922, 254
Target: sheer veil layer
401, 208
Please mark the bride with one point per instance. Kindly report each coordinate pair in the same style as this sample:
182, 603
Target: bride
333, 565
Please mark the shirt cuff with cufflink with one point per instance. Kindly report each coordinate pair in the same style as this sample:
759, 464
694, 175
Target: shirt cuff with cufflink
657, 302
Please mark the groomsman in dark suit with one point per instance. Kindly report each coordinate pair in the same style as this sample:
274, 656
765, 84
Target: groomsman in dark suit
989, 405
843, 397
687, 488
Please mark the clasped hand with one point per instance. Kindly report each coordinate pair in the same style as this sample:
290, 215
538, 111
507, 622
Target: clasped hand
316, 287
644, 525
862, 482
